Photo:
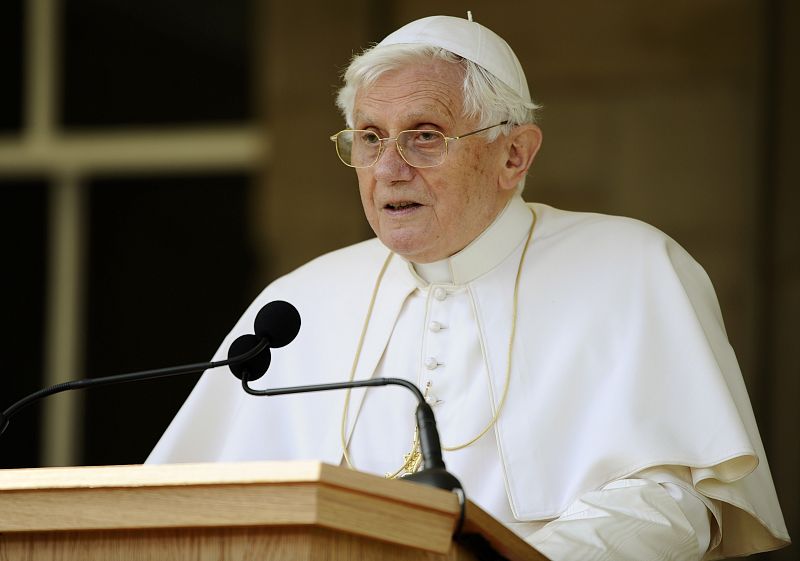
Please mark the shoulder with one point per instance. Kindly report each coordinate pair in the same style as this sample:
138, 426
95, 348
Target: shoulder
556, 225
327, 288
614, 254
332, 284
343, 265
607, 241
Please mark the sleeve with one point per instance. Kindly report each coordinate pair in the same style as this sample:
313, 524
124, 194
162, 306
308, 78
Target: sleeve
651, 516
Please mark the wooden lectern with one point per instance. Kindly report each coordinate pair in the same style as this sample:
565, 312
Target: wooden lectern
233, 512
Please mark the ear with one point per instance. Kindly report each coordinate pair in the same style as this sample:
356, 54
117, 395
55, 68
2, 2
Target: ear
522, 144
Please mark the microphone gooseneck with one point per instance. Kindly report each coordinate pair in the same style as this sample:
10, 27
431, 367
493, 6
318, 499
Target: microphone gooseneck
434, 472
253, 352
246, 355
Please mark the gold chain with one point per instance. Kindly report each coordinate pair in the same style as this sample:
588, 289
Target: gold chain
413, 460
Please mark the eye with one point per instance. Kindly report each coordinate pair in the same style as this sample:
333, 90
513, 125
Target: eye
428, 136
422, 139
368, 138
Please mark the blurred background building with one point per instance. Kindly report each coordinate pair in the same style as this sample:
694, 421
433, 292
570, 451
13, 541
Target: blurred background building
160, 162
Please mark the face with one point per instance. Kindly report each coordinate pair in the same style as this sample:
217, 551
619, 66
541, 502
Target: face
427, 214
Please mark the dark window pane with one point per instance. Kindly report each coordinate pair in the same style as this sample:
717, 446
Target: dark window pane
11, 41
23, 239
155, 62
168, 277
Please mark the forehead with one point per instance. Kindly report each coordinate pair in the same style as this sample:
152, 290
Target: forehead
423, 91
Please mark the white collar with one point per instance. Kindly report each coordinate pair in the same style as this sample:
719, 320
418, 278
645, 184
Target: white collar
484, 252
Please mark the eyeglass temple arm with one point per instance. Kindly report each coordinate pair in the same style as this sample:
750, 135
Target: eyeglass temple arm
477, 131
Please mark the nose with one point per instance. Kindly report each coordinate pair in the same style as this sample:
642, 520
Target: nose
391, 166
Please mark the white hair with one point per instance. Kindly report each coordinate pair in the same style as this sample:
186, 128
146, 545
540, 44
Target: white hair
484, 95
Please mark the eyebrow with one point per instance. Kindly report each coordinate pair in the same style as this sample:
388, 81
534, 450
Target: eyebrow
429, 116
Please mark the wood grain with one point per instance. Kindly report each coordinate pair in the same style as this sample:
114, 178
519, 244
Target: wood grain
218, 544
230, 511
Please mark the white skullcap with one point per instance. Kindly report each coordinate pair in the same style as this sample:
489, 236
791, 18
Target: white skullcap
467, 39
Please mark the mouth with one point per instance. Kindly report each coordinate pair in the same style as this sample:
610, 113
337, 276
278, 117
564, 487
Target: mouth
401, 206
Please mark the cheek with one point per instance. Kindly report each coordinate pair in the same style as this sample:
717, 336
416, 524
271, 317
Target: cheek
365, 186
469, 201
479, 158
474, 165
363, 177
365, 191
452, 196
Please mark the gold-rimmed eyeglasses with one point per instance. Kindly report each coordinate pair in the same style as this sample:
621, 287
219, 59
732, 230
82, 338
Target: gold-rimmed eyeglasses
419, 148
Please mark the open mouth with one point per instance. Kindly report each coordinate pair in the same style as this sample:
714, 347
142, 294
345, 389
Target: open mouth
404, 205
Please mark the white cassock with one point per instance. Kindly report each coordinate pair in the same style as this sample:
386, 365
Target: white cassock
627, 432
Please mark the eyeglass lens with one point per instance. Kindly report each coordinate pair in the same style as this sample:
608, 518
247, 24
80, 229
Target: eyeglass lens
419, 148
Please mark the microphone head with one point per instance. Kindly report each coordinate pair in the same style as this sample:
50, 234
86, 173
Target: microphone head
278, 322
257, 366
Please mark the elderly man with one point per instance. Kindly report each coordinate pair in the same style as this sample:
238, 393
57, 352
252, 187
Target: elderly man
577, 364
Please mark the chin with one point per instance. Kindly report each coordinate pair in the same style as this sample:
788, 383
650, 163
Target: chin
417, 255
414, 243
410, 249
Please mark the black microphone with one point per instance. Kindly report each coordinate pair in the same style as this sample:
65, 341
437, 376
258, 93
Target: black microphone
277, 323
254, 354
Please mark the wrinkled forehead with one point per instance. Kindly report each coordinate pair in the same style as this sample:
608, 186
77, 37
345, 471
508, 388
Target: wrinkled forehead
426, 90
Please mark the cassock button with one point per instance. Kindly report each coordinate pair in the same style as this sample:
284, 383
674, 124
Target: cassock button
431, 363
439, 293
435, 326
432, 400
